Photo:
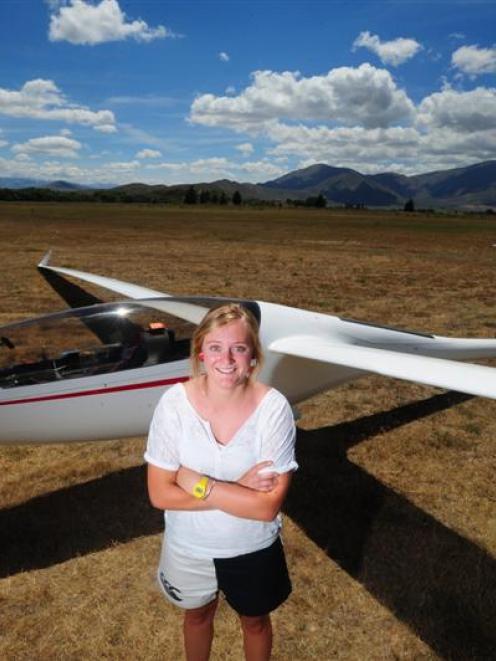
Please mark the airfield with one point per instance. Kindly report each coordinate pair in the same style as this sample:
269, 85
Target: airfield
390, 526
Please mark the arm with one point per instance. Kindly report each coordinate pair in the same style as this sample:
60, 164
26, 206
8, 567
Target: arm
257, 495
165, 494
261, 500
247, 503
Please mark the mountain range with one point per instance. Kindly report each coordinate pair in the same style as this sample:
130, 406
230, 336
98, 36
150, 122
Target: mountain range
468, 187
23, 182
471, 187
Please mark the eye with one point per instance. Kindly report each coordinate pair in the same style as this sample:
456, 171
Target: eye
240, 348
214, 348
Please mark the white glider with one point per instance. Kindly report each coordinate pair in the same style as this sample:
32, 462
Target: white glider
97, 370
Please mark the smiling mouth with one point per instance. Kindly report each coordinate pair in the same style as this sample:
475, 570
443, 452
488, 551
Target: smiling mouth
226, 370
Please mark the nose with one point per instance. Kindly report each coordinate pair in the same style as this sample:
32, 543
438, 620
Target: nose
228, 353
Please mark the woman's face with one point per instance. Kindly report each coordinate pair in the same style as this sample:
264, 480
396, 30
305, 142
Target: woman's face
227, 354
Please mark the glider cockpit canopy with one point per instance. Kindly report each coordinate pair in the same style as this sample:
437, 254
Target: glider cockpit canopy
101, 338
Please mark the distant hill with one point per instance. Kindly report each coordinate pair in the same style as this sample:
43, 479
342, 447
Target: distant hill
177, 192
65, 185
472, 187
19, 182
468, 187
309, 178
248, 191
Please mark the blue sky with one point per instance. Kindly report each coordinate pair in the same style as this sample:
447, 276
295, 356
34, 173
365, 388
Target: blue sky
114, 91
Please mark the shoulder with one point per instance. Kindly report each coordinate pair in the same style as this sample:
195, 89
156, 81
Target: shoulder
275, 402
191, 386
260, 390
166, 420
192, 390
177, 391
277, 396
171, 398
277, 424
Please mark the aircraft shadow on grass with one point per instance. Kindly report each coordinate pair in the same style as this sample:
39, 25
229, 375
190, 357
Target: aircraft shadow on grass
441, 585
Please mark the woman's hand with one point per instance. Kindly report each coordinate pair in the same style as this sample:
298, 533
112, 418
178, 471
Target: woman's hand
260, 477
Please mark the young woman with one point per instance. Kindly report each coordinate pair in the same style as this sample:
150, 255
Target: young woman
220, 456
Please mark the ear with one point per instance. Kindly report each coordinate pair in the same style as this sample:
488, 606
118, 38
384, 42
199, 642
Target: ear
201, 356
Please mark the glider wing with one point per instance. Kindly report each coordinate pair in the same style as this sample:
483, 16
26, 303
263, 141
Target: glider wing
439, 372
189, 311
118, 286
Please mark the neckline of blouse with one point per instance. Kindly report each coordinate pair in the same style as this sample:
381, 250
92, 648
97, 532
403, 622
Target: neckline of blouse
207, 422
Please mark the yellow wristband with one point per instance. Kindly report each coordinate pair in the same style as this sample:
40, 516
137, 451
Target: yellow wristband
200, 488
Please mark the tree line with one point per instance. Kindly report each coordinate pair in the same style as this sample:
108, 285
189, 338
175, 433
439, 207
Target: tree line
166, 195
153, 196
206, 196
50, 195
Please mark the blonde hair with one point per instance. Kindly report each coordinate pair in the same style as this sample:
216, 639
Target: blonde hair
221, 316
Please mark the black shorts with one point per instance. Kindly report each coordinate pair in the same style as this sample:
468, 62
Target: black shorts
255, 583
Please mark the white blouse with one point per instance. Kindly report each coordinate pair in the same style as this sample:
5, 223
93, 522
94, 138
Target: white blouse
178, 436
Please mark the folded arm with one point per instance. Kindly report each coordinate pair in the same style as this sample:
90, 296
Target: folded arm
254, 496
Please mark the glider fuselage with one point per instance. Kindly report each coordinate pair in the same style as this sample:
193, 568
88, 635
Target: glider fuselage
94, 403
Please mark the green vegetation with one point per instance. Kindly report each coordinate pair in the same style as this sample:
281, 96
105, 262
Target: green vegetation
317, 201
114, 195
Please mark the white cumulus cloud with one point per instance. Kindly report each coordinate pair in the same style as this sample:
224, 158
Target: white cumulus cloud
401, 149
105, 128
224, 57
393, 52
364, 95
149, 153
122, 166
81, 22
346, 146
57, 145
261, 170
474, 110
357, 118
208, 169
246, 148
474, 60
23, 166
42, 99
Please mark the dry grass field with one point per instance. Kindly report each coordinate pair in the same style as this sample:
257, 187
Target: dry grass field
391, 521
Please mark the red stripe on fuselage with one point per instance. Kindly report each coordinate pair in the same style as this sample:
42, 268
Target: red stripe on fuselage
98, 391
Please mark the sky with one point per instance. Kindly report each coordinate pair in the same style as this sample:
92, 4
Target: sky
119, 91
